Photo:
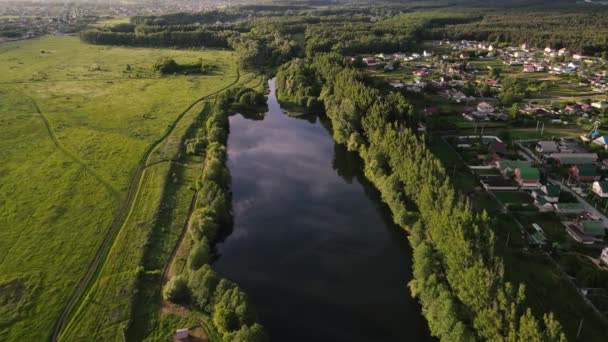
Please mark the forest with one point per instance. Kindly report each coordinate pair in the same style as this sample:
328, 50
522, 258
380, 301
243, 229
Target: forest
268, 36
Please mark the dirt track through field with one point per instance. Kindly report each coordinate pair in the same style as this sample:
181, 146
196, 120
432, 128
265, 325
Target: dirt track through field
119, 220
67, 152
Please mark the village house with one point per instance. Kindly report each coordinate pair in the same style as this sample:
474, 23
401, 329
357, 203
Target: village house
497, 150
547, 147
371, 61
578, 56
529, 68
600, 188
181, 335
574, 158
549, 193
584, 173
600, 105
586, 231
604, 256
507, 167
569, 208
537, 237
543, 205
384, 57
601, 141
527, 177
485, 107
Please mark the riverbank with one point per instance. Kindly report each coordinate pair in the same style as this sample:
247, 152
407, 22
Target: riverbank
312, 244
458, 278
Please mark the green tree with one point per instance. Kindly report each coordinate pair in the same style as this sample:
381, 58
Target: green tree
200, 254
202, 283
176, 289
254, 333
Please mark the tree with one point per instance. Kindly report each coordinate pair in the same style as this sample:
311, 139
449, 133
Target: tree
202, 284
200, 254
254, 333
176, 289
513, 111
231, 309
202, 224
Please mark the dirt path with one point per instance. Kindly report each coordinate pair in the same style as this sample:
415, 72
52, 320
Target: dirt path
67, 152
119, 220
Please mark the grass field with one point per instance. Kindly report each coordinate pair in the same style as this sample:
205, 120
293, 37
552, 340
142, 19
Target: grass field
75, 120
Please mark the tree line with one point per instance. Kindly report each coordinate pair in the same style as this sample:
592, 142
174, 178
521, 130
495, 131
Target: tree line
457, 277
198, 285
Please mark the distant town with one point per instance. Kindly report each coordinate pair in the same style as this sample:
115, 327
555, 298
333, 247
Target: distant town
30, 19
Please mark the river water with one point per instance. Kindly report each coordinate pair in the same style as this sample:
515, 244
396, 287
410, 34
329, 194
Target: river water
312, 245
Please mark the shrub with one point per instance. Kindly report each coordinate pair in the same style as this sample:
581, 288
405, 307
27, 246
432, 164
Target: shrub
200, 254
254, 333
231, 309
176, 290
202, 224
203, 283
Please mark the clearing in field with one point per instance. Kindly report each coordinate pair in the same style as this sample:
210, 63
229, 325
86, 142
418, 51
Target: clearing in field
75, 122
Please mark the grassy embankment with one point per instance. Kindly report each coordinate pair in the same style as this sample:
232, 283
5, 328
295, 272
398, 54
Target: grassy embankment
75, 121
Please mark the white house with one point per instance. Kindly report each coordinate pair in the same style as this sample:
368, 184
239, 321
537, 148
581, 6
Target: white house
485, 107
604, 256
600, 104
371, 61
600, 188
181, 334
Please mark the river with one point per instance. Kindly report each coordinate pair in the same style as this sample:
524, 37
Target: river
312, 245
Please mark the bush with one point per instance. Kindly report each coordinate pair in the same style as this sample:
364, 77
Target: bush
200, 254
176, 290
254, 333
202, 224
166, 65
203, 283
231, 309
215, 171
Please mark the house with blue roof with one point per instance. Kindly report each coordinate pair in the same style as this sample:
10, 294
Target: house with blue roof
602, 141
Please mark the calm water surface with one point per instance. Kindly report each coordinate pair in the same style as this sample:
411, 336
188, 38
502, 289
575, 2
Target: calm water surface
312, 245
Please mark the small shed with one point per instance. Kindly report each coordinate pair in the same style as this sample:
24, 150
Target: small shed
181, 334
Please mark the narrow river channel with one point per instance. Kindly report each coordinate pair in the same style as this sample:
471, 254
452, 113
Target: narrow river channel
312, 245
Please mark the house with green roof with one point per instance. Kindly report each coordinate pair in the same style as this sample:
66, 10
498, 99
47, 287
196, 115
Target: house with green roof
600, 188
527, 177
569, 208
507, 167
587, 232
574, 158
584, 173
549, 193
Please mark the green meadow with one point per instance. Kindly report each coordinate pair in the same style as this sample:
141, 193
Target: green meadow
75, 123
